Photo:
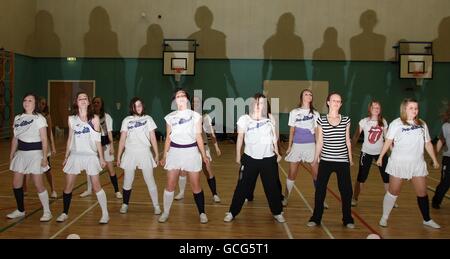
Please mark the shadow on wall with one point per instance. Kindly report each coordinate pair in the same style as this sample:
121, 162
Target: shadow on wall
285, 45
441, 45
363, 83
216, 79
109, 74
153, 88
329, 50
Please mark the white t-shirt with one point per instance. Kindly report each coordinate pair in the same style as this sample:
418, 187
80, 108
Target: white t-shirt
183, 124
26, 127
138, 130
409, 140
446, 135
84, 137
305, 124
258, 136
373, 136
106, 124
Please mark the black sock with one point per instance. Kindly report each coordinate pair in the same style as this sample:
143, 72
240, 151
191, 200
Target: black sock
67, 198
212, 185
424, 207
126, 196
114, 182
18, 193
200, 201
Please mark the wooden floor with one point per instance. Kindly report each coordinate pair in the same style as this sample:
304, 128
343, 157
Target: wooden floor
255, 220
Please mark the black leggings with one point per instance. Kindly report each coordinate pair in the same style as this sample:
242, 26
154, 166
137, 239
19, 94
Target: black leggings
443, 186
342, 169
365, 161
250, 168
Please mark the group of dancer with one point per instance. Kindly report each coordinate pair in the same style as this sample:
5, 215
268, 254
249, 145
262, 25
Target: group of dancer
322, 141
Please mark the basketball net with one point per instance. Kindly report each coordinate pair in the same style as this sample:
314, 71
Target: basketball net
419, 78
178, 71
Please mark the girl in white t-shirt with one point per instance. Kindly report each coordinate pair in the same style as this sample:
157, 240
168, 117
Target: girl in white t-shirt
207, 169
302, 140
29, 148
410, 136
106, 126
261, 157
183, 151
374, 127
82, 153
137, 135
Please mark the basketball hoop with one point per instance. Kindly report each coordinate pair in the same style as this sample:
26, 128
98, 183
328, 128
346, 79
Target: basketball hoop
178, 73
419, 76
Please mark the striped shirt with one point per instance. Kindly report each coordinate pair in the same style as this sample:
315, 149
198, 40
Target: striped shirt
334, 145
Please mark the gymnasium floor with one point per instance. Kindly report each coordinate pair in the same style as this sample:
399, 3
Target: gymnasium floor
255, 220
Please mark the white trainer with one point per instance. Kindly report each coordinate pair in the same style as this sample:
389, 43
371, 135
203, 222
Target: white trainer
228, 217
350, 225
216, 198
430, 223
123, 208
325, 205
354, 203
279, 218
54, 195
104, 219
203, 218
179, 196
396, 205
85, 194
383, 222
63, 217
16, 214
311, 224
163, 218
157, 210
47, 216
119, 195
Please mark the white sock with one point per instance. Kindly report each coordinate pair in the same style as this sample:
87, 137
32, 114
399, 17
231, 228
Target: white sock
168, 199
388, 204
101, 197
289, 185
89, 184
182, 183
43, 196
151, 185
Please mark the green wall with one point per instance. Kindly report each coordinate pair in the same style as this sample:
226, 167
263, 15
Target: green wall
118, 80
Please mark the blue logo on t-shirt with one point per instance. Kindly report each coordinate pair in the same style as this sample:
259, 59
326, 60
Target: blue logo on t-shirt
84, 131
137, 124
413, 127
258, 125
23, 123
305, 118
182, 121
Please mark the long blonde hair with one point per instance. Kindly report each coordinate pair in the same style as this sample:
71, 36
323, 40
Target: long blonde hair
369, 113
403, 115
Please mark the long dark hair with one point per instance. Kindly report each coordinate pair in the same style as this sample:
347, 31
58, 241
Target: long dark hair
36, 106
258, 96
174, 94
132, 107
102, 108
331, 94
75, 109
311, 106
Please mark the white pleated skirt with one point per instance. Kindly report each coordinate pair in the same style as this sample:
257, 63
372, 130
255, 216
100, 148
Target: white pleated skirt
141, 160
28, 162
406, 169
77, 163
186, 159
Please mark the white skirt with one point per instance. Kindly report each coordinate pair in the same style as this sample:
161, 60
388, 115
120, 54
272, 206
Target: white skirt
186, 159
108, 157
142, 160
28, 162
301, 153
77, 163
406, 169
